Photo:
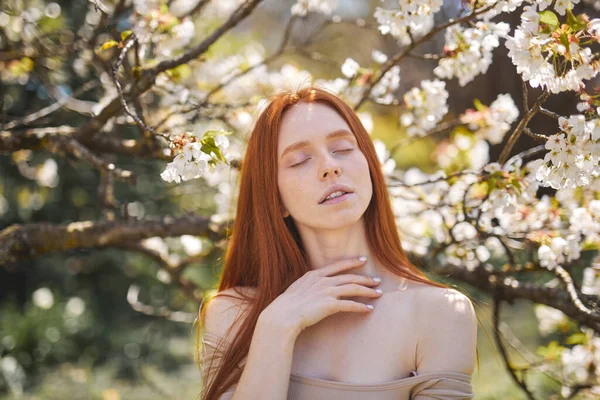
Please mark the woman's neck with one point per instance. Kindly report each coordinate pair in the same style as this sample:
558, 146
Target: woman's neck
324, 247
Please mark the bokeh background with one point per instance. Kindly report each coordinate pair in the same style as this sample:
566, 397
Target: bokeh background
69, 327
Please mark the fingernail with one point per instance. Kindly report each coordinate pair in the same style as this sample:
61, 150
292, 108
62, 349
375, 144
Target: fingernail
369, 306
376, 279
362, 258
379, 291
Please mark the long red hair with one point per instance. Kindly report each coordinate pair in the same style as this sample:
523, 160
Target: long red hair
265, 251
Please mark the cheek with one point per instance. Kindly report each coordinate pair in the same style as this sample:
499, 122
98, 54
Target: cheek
360, 168
291, 189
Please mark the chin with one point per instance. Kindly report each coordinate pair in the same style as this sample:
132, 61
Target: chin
340, 221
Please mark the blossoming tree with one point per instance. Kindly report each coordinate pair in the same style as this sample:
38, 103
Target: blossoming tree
477, 219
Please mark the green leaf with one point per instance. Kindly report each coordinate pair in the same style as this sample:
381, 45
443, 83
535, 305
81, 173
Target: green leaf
214, 133
516, 184
179, 73
576, 23
577, 338
461, 130
552, 351
590, 245
492, 182
479, 106
564, 40
125, 34
209, 146
108, 44
549, 19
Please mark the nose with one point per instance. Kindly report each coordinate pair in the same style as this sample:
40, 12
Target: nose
330, 168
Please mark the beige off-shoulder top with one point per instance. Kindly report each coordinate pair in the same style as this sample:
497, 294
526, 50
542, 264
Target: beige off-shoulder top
448, 385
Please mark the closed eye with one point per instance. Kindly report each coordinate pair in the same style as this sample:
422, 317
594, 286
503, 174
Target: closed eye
337, 151
300, 163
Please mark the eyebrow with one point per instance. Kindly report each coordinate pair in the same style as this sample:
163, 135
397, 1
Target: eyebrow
337, 133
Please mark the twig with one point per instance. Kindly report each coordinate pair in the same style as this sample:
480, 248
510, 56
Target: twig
173, 269
414, 43
106, 193
549, 113
148, 76
163, 312
512, 140
525, 96
438, 129
75, 148
280, 50
527, 153
59, 139
196, 9
502, 349
567, 280
536, 136
131, 40
240, 13
51, 108
398, 182
427, 56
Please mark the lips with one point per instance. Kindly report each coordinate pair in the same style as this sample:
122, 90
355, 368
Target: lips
335, 197
335, 188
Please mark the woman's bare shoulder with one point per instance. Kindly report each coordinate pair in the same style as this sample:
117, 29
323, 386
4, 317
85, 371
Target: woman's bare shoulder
225, 308
234, 292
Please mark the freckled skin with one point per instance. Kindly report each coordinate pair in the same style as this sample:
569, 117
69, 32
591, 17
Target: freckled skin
302, 187
329, 232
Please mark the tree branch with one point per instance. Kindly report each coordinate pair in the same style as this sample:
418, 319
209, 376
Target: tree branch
512, 140
25, 242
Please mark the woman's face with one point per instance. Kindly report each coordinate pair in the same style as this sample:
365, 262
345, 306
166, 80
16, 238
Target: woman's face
317, 150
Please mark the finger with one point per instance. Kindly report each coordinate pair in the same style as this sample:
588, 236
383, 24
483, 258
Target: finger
351, 306
353, 289
352, 278
342, 265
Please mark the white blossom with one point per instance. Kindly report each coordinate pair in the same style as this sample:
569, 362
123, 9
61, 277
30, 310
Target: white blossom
350, 68
378, 56
367, 120
468, 51
586, 221
494, 121
573, 155
549, 318
192, 162
426, 107
302, 7
532, 52
576, 362
559, 251
383, 91
414, 15
591, 281
388, 164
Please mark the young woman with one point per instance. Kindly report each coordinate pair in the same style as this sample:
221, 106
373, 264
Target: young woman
317, 299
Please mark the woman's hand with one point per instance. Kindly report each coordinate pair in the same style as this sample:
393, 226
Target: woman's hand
316, 295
